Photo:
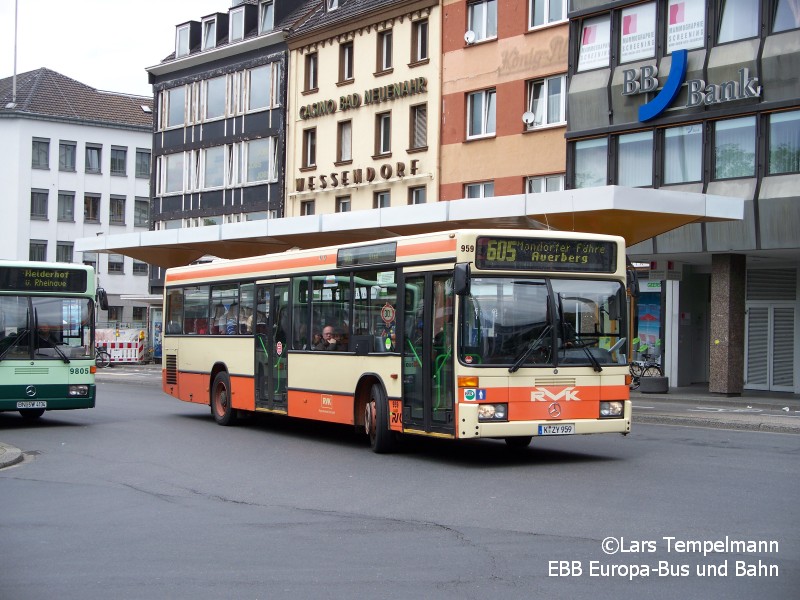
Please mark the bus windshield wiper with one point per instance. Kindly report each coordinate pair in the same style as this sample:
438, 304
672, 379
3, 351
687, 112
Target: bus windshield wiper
60, 352
528, 350
20, 334
592, 358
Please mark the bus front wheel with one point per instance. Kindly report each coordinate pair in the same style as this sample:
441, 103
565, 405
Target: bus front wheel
221, 407
518, 442
30, 415
376, 421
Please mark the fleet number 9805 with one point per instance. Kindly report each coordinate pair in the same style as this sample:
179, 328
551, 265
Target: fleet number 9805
79, 370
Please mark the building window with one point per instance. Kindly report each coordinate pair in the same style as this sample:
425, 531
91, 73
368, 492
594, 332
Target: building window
548, 183
141, 212
236, 30
384, 51
417, 195
591, 163
784, 142
90, 258
39, 204
735, 148
346, 62
173, 113
343, 204
344, 147
595, 43
546, 101
481, 113
259, 88
139, 312
214, 167
310, 148
635, 159
382, 199
683, 154
266, 21
64, 252
173, 173
419, 41
419, 127
116, 211
260, 160
740, 20
142, 163
686, 25
638, 33
181, 41
307, 207
331, 5
139, 268
214, 98
383, 134
119, 159
484, 189
116, 264
209, 34
114, 312
482, 19
37, 250
94, 156
40, 154
543, 12
66, 156
787, 16
311, 72
91, 208
66, 206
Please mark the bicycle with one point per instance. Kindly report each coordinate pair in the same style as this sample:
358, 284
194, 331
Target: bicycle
646, 367
101, 358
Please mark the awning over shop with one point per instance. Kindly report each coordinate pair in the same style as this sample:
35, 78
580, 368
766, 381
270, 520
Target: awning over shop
636, 214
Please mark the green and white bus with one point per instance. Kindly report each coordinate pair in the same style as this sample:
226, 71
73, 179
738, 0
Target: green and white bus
47, 350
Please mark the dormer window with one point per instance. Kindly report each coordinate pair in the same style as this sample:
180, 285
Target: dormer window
331, 5
236, 31
209, 33
266, 21
182, 41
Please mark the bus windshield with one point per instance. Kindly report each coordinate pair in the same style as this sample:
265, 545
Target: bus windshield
523, 322
47, 327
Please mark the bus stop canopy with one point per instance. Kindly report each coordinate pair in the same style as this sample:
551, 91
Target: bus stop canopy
636, 214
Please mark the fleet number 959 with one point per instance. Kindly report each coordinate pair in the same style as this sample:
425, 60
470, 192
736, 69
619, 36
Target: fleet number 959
79, 370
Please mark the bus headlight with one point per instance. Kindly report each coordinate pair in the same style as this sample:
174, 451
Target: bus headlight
78, 390
612, 409
493, 412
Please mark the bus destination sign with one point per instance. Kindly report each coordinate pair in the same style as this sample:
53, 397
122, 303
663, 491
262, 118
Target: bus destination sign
35, 279
375, 254
552, 255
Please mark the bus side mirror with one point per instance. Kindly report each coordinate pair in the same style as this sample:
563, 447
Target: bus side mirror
102, 298
461, 279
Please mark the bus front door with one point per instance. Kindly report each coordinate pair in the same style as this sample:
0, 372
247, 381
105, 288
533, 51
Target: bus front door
271, 337
428, 388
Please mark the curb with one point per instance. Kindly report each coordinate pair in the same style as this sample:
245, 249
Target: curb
738, 425
9, 455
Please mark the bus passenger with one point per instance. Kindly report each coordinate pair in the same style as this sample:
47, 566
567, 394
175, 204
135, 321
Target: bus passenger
328, 341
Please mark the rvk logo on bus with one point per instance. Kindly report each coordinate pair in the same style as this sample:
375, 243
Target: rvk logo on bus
471, 395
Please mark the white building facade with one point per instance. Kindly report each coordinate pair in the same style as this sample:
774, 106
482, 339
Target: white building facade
75, 162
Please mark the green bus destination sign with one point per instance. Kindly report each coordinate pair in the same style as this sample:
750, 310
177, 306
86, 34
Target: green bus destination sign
27, 279
550, 255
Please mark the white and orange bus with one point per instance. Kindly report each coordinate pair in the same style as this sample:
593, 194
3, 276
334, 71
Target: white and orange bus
466, 334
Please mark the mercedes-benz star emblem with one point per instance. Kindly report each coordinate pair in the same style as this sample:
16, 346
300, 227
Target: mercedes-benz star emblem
30, 391
554, 410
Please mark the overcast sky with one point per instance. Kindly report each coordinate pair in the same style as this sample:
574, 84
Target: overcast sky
106, 44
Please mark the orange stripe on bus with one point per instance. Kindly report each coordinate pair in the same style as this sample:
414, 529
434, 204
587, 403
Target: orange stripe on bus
427, 248
333, 408
258, 268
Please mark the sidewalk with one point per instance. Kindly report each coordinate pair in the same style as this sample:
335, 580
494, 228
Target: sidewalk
692, 406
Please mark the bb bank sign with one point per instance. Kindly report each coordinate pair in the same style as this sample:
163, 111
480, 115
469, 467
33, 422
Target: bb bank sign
645, 79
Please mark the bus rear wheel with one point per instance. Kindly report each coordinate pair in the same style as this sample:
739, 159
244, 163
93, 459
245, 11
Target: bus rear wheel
221, 407
30, 415
376, 421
